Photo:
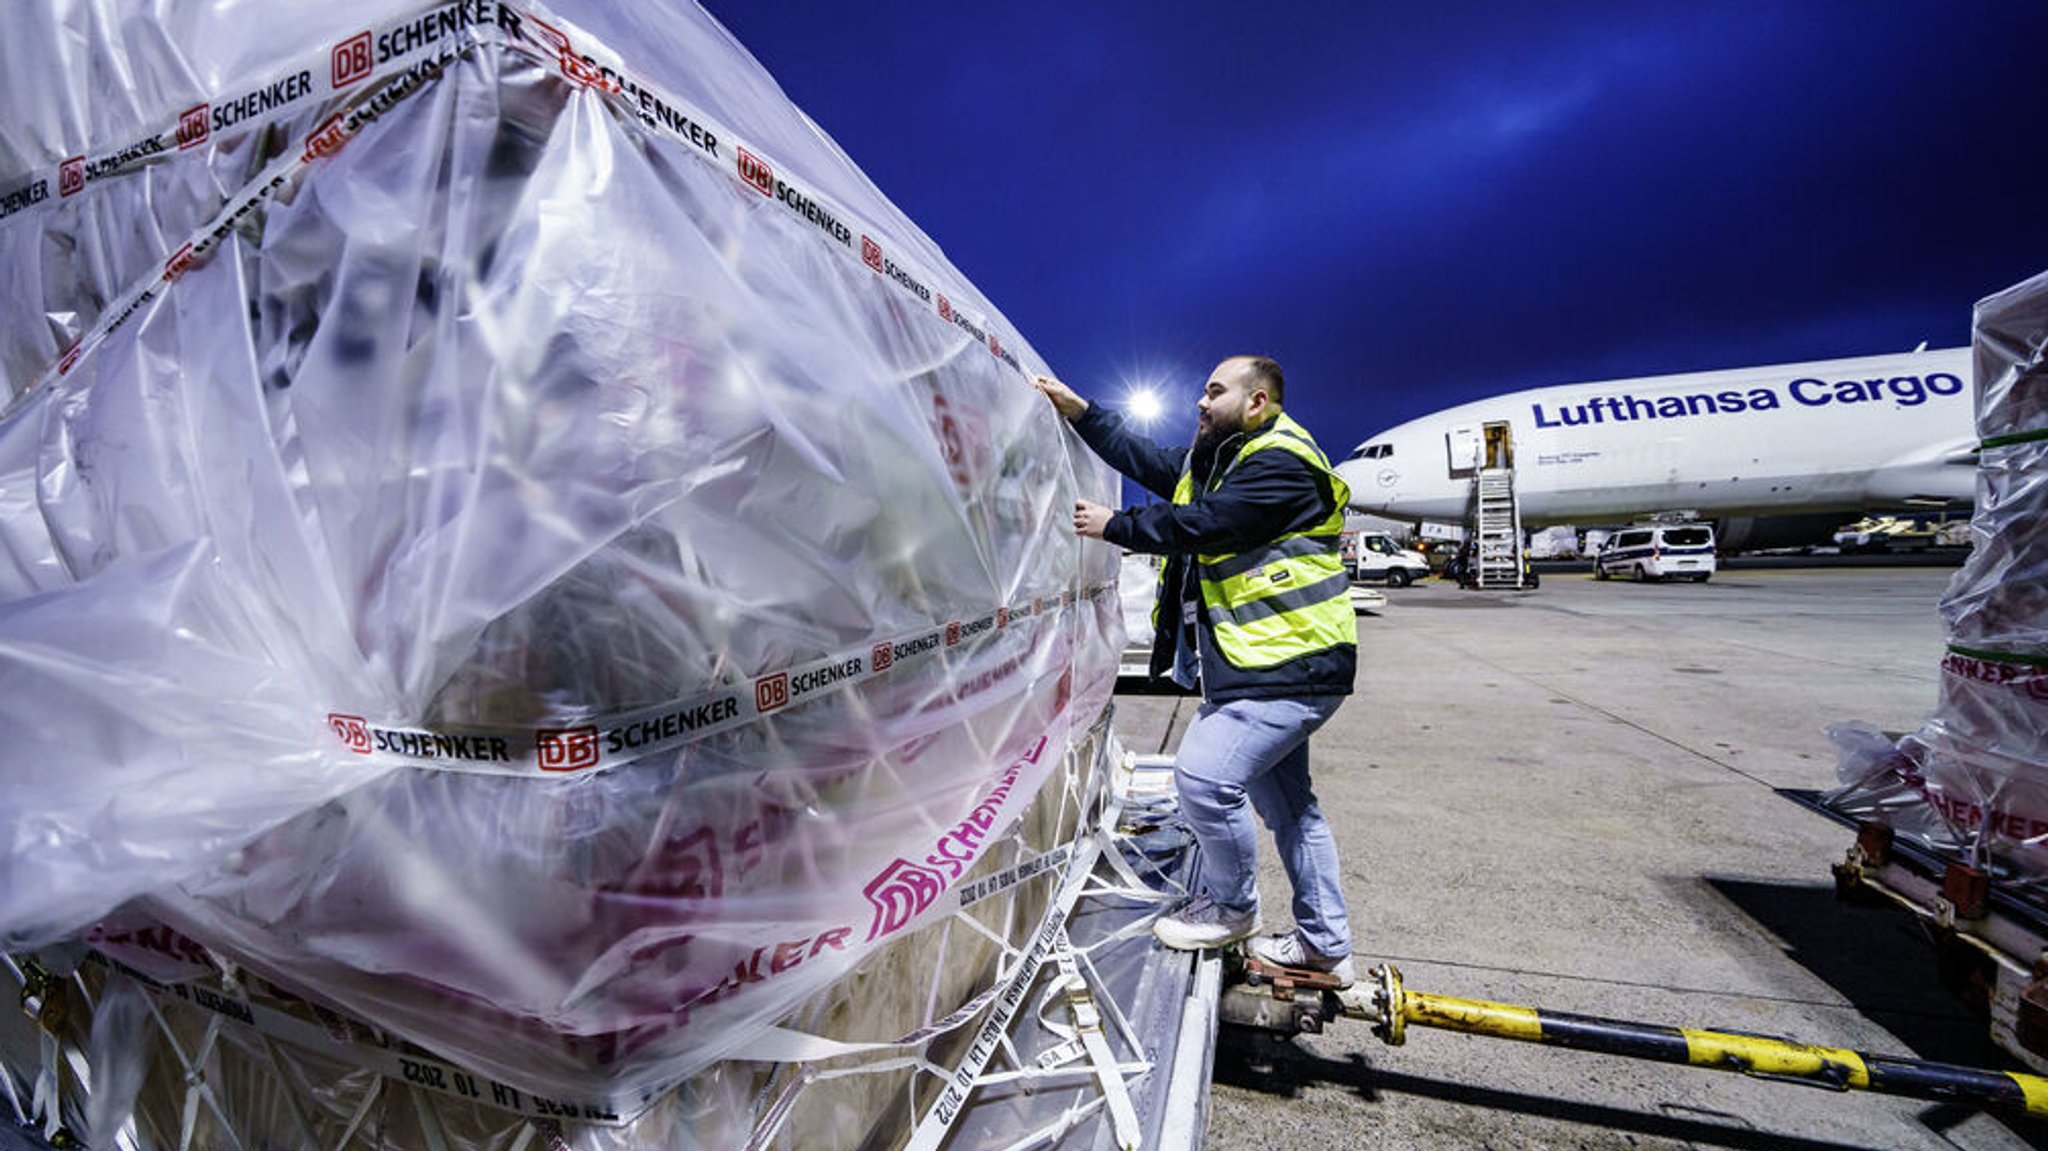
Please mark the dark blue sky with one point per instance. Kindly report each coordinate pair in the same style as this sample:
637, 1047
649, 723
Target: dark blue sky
1415, 204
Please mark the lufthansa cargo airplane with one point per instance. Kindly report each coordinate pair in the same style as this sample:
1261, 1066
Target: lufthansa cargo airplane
1776, 454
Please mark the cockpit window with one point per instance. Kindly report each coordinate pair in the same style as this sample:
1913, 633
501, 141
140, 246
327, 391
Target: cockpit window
1373, 452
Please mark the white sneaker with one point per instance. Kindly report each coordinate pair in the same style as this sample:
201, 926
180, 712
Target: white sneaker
1287, 950
1201, 923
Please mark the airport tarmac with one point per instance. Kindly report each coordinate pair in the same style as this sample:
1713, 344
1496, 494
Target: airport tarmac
1570, 798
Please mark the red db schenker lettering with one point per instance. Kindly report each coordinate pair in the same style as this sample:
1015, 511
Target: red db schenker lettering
871, 253
180, 261
771, 692
194, 126
353, 730
952, 632
945, 308
70, 359
756, 172
566, 748
352, 59
71, 176
884, 655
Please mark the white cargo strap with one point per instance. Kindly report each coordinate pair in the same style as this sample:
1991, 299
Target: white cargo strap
46, 1099
415, 1069
42, 1000
1087, 1029
938, 1119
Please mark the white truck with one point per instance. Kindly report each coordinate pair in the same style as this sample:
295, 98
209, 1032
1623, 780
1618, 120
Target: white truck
1375, 557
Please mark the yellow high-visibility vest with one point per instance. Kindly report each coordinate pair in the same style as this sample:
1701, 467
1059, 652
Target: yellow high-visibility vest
1286, 598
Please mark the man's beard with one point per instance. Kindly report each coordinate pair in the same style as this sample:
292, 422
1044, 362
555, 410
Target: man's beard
1209, 437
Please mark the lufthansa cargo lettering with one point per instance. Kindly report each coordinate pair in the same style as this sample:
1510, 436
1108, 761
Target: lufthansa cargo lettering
824, 677
446, 21
1902, 391
671, 725
1624, 408
285, 91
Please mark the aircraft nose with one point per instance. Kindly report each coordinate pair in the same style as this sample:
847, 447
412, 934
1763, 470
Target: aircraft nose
1374, 490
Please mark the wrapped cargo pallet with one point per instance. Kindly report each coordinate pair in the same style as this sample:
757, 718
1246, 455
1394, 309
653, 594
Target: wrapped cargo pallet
1971, 785
522, 575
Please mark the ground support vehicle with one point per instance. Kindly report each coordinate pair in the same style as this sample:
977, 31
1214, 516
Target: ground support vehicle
1886, 533
1379, 558
1649, 552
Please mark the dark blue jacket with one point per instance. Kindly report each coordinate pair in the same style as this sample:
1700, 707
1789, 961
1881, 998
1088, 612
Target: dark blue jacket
1271, 494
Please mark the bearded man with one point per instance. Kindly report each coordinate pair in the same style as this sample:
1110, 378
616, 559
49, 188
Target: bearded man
1254, 612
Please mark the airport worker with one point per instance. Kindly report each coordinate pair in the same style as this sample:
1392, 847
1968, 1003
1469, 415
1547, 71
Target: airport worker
1254, 609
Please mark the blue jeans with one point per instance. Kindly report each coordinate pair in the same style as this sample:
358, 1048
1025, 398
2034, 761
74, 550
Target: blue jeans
1252, 754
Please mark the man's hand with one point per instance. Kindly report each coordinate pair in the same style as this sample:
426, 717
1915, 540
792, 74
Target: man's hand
1090, 519
1065, 400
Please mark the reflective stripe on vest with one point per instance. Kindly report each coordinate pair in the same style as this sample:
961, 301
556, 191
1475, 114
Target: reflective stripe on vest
1286, 598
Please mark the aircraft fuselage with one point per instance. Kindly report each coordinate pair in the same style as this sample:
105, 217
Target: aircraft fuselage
1825, 436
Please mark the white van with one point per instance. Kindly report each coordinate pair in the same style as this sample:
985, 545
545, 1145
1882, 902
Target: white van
1378, 557
1658, 552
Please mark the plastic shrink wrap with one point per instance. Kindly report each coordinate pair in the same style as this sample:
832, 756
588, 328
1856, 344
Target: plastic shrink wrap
1972, 782
514, 554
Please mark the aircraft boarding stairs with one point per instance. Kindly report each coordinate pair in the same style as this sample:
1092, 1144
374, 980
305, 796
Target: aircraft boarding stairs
1496, 517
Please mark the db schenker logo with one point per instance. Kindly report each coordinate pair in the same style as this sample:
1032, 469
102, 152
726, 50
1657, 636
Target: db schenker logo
353, 730
566, 748
179, 263
757, 173
194, 126
351, 60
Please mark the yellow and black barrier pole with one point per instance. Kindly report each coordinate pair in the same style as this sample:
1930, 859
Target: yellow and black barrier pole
1832, 1067
1277, 999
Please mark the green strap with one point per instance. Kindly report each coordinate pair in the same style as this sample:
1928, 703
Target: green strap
2005, 657
2034, 436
